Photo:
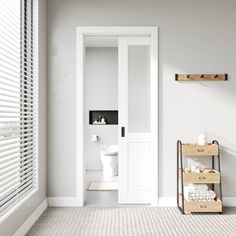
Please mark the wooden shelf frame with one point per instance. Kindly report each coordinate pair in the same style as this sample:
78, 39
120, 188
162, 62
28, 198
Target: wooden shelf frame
202, 77
201, 178
195, 150
201, 206
212, 150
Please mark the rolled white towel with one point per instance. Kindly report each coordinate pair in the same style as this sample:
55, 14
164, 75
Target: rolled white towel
200, 186
198, 193
187, 192
194, 187
202, 195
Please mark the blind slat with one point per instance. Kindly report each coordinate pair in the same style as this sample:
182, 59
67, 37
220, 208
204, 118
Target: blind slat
3, 140
18, 100
15, 194
17, 165
22, 150
16, 146
4, 204
16, 185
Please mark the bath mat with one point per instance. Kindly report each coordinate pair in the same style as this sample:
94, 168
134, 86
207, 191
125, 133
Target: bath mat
103, 186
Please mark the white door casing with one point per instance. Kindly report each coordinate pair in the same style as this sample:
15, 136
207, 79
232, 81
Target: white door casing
151, 138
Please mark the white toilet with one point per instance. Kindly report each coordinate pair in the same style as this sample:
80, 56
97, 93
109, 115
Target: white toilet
109, 158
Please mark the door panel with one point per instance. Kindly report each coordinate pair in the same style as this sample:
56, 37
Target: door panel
134, 115
138, 181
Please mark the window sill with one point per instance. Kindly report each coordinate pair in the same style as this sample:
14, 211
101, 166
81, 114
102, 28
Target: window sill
15, 206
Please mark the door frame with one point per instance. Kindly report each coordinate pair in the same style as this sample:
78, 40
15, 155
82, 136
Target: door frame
81, 33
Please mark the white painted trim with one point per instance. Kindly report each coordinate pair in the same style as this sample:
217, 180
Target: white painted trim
63, 202
167, 202
17, 205
171, 202
116, 30
123, 117
154, 145
80, 168
32, 219
81, 32
229, 201
138, 41
101, 41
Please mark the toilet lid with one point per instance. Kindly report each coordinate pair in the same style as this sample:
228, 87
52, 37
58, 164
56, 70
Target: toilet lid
111, 154
110, 150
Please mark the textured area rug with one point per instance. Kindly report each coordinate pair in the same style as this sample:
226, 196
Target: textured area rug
103, 186
135, 221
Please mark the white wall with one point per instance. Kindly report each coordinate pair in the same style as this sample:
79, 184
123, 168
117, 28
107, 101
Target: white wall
18, 217
101, 93
194, 37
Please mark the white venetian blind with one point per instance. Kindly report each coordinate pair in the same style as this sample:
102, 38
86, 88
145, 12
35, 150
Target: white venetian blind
18, 100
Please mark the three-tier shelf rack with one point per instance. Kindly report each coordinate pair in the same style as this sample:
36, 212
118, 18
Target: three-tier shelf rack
211, 179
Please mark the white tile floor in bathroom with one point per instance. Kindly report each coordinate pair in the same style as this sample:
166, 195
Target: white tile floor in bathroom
100, 198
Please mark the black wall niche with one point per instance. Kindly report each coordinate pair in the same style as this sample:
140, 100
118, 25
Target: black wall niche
111, 116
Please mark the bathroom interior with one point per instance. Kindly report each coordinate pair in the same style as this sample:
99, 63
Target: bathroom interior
101, 121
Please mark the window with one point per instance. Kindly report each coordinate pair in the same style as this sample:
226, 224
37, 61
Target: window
18, 101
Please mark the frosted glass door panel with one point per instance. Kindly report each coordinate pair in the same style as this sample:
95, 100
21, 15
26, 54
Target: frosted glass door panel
139, 88
134, 119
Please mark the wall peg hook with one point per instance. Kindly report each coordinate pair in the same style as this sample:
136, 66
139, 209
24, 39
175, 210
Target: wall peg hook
205, 77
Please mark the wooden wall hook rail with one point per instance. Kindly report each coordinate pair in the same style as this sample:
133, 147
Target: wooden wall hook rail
203, 77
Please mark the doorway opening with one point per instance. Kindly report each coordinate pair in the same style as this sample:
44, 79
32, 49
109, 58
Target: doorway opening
101, 121
117, 116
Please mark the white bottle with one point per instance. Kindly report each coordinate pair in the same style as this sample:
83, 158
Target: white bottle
201, 139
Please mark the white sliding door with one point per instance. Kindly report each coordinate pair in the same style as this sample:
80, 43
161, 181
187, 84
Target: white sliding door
134, 120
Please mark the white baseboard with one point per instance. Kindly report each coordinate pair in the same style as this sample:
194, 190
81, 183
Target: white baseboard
162, 202
167, 202
32, 219
229, 201
63, 202
171, 202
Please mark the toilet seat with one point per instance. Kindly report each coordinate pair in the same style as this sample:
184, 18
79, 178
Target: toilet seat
111, 153
111, 150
